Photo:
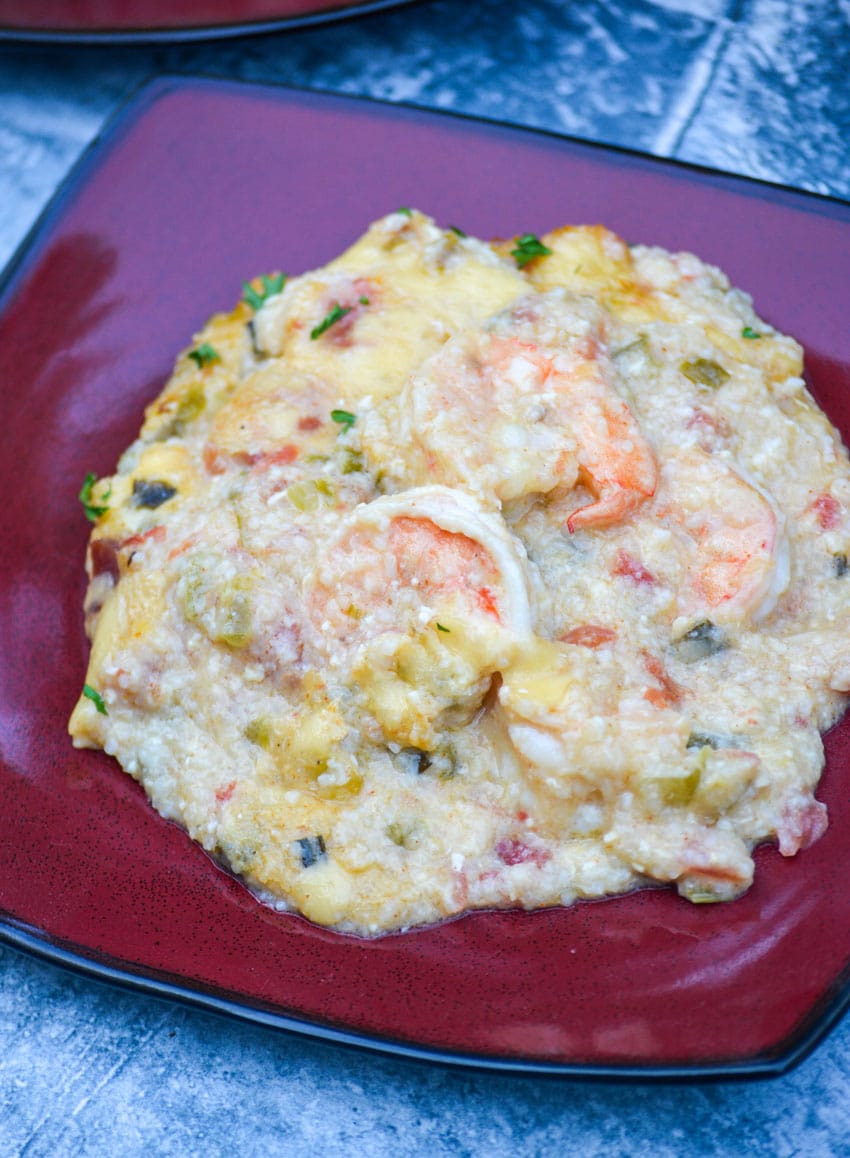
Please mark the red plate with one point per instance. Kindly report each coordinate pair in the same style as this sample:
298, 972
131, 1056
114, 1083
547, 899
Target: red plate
195, 187
114, 20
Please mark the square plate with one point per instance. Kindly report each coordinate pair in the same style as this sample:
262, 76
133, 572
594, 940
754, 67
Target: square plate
196, 186
121, 21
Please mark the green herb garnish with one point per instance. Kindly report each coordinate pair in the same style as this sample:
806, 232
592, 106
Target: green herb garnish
749, 332
204, 354
345, 419
271, 286
528, 247
364, 301
456, 229
403, 209
93, 510
96, 698
441, 628
331, 318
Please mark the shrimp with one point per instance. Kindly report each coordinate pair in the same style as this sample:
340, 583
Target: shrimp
417, 602
731, 534
427, 546
529, 406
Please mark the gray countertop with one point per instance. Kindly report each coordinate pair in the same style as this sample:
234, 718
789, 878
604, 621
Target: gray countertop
757, 87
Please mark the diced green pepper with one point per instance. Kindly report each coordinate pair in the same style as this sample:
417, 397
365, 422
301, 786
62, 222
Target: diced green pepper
259, 732
311, 849
235, 617
151, 493
705, 372
703, 640
310, 494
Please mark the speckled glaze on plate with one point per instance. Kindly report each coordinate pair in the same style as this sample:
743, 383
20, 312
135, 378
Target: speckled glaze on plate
194, 187
112, 21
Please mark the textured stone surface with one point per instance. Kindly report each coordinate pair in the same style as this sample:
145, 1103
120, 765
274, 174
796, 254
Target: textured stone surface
753, 86
720, 82
89, 1070
778, 103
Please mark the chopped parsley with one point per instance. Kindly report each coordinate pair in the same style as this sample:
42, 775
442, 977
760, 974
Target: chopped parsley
364, 301
456, 229
345, 419
271, 286
93, 510
96, 698
749, 332
441, 628
331, 318
528, 247
204, 354
403, 209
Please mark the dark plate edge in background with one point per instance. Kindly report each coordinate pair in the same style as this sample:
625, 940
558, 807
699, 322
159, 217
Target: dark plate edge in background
201, 32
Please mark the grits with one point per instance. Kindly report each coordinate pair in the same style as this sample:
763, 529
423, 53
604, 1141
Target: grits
457, 575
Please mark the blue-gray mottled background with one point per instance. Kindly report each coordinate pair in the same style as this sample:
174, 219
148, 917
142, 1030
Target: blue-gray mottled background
758, 87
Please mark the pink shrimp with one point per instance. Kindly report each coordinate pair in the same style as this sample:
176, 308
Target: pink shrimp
409, 578
422, 550
529, 407
615, 461
736, 556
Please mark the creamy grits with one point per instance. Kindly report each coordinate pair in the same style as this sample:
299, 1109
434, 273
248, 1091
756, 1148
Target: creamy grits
458, 575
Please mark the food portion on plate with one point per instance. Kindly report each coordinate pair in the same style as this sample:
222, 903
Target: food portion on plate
460, 575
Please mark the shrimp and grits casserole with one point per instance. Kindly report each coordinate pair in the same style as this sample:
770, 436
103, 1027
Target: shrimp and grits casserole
458, 575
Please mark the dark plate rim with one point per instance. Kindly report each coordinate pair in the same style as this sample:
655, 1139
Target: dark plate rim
196, 32
821, 1019
153, 984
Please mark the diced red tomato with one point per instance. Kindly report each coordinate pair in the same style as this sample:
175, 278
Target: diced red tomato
513, 850
629, 567
280, 457
716, 873
801, 824
589, 635
669, 693
828, 511
156, 534
213, 459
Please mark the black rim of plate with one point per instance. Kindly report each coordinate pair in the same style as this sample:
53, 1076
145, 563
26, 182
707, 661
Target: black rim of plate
787, 1054
199, 32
